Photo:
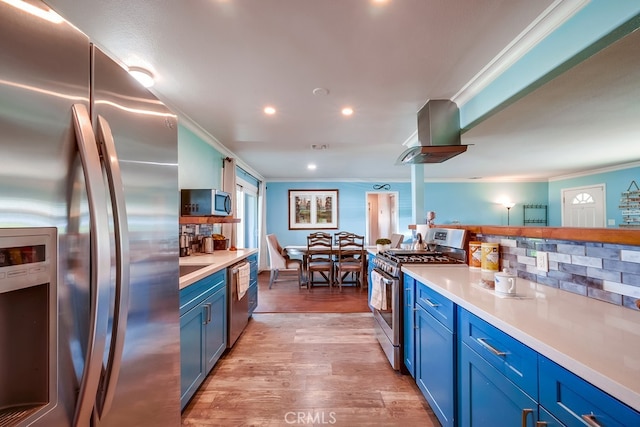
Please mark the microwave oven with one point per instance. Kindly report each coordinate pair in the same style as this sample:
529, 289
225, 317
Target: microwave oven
205, 203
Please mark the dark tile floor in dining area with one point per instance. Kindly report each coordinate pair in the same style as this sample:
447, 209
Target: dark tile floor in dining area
314, 367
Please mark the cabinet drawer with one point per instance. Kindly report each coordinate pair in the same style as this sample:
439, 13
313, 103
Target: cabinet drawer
194, 294
569, 398
440, 307
487, 398
513, 359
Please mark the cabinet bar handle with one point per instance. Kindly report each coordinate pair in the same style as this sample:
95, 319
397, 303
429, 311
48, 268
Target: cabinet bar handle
206, 314
525, 414
209, 312
483, 342
430, 303
591, 420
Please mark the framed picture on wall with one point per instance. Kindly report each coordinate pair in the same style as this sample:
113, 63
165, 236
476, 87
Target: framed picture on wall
313, 209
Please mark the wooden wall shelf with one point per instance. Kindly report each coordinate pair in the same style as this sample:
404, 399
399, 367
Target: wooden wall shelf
208, 220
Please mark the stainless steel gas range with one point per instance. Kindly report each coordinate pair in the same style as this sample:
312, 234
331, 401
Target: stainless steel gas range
386, 281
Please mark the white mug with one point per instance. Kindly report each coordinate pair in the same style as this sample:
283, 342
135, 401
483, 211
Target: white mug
505, 284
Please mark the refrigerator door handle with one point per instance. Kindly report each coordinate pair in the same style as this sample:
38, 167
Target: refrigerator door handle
121, 228
100, 264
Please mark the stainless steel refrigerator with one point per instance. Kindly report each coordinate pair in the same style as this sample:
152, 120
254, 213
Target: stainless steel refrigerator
88, 163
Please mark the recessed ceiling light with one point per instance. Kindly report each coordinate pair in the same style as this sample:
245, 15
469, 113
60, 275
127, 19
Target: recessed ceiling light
311, 166
269, 110
320, 91
143, 76
347, 111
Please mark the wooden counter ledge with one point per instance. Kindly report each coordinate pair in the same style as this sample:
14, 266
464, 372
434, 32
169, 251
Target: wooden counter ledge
602, 235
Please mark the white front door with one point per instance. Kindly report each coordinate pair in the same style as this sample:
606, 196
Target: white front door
583, 206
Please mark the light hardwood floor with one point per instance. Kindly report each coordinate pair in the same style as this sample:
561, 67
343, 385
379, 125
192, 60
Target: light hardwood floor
307, 369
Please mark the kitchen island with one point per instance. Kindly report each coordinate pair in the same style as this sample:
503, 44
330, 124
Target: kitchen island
595, 340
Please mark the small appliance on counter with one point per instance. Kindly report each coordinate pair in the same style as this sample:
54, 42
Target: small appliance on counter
204, 202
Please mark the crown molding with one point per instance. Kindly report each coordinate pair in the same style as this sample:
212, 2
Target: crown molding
548, 21
595, 171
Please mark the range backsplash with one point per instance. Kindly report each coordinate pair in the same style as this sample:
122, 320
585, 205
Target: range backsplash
607, 272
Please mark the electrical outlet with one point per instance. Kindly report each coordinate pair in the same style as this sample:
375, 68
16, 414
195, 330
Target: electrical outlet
542, 261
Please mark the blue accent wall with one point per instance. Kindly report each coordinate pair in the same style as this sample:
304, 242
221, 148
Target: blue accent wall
200, 165
480, 202
615, 183
466, 203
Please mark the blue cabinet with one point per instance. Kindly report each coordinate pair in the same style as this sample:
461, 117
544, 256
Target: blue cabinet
435, 352
435, 367
215, 327
370, 267
192, 365
514, 360
203, 331
252, 292
575, 402
409, 339
485, 377
488, 398
498, 376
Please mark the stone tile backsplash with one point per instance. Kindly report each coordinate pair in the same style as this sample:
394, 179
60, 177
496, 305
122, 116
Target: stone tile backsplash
608, 272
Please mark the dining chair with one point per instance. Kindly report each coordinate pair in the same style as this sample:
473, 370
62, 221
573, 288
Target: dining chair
341, 234
319, 260
320, 234
351, 260
396, 240
279, 262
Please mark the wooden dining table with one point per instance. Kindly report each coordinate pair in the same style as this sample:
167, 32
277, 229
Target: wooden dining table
302, 251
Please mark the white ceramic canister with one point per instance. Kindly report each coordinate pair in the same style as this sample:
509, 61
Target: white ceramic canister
490, 260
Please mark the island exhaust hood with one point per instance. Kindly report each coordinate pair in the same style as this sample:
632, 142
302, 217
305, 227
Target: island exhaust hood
438, 134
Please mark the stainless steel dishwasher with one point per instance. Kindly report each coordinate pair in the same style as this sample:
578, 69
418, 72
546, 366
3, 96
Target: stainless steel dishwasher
237, 308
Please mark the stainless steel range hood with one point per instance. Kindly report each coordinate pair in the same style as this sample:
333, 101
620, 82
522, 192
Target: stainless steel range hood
438, 134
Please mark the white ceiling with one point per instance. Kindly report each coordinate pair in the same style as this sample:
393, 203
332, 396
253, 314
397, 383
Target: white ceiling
219, 62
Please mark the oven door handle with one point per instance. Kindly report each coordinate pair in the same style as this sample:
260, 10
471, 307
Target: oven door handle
386, 279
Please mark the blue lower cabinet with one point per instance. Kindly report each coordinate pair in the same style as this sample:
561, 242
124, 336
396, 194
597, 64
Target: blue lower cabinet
547, 420
215, 330
488, 398
370, 267
192, 365
409, 338
203, 331
252, 292
575, 402
435, 367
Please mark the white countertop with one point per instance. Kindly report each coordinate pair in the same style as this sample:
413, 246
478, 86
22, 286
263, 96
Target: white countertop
597, 341
214, 262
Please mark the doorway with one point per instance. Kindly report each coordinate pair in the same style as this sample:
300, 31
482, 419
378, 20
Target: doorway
583, 206
381, 216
